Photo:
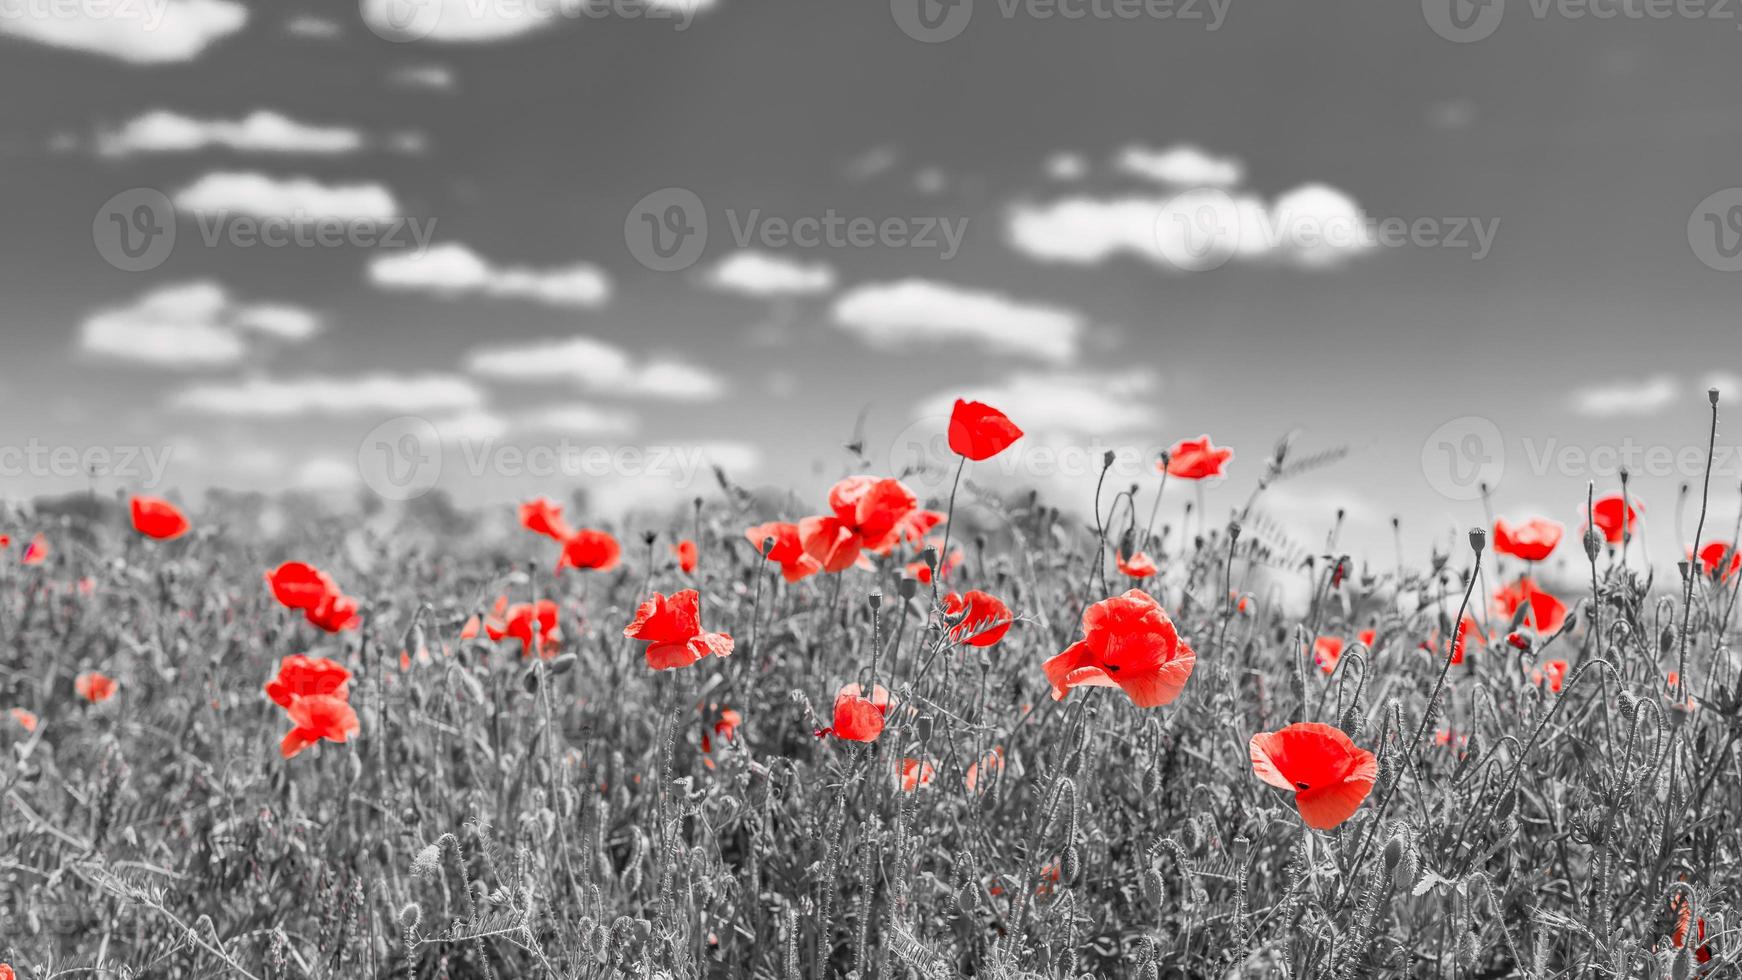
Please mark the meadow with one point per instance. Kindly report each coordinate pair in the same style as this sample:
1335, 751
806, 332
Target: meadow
876, 737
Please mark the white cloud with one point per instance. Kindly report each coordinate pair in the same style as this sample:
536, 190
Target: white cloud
1066, 167
763, 274
291, 323
1182, 165
333, 395
262, 131
598, 366
190, 325
437, 78
325, 473
1313, 225
452, 269
296, 198
889, 315
159, 32
1070, 402
1643, 396
577, 418
314, 28
458, 21
472, 425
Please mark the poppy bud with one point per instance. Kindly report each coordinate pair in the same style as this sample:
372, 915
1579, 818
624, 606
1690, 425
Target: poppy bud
529, 680
1478, 539
1107, 457
1507, 802
562, 664
1393, 855
1233, 530
1593, 543
1071, 863
930, 557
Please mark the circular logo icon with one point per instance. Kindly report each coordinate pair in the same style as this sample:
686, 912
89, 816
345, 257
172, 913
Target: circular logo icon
932, 21
667, 230
401, 459
920, 455
1198, 230
134, 231
1463, 21
401, 21
1715, 230
1462, 456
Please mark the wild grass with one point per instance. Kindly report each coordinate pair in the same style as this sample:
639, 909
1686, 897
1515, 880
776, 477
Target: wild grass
502, 816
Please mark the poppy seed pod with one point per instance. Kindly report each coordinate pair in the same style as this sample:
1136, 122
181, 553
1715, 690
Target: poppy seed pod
1478, 539
875, 599
907, 587
1712, 395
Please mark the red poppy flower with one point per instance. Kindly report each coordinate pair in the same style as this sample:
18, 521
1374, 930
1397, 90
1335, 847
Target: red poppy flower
335, 613
300, 676
299, 585
1545, 614
316, 717
868, 516
673, 631
1129, 643
984, 618
157, 518
787, 551
1366, 638
858, 718
1712, 558
979, 431
5, 541
1196, 459
1615, 517
917, 523
922, 572
94, 687
1327, 650
1532, 541
25, 718
686, 556
1139, 565
915, 773
727, 726
532, 623
542, 516
590, 549
1329, 774
1554, 672
1520, 640
37, 551
6, 973
1683, 913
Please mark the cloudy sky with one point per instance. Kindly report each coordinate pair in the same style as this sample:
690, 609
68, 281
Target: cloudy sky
747, 232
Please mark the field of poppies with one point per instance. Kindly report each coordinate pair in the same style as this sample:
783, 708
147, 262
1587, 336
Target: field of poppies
882, 737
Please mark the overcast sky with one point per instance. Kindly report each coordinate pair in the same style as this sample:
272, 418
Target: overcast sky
1446, 243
